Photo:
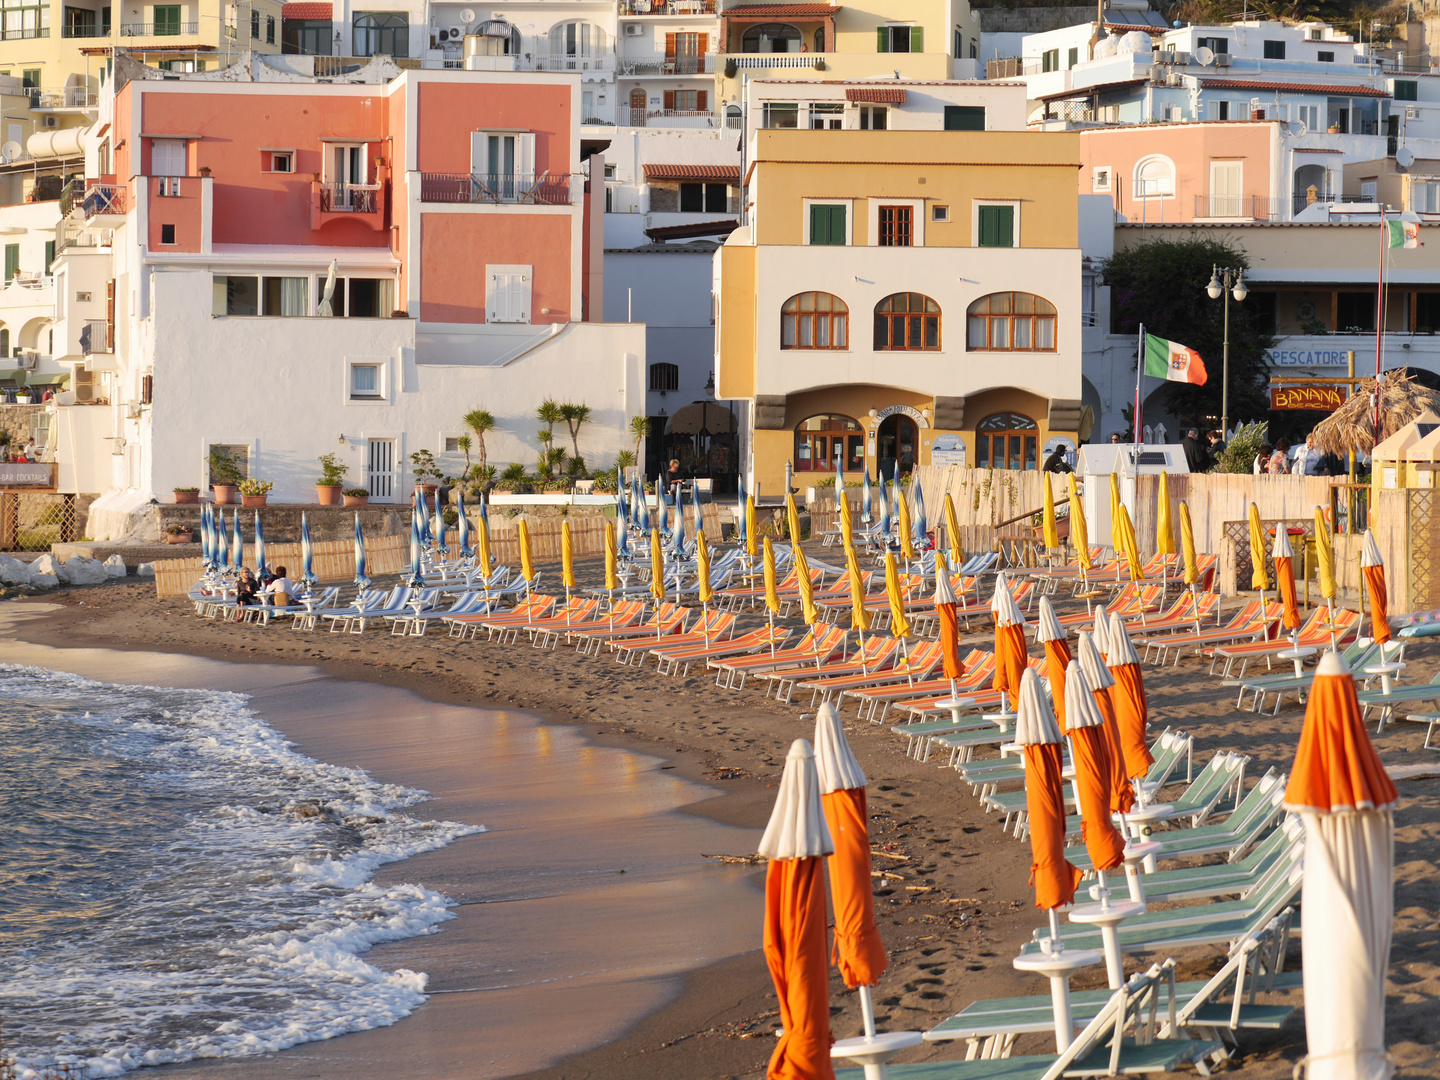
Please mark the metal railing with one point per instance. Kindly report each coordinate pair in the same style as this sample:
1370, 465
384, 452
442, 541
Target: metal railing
158, 29
1300, 202
103, 199
1241, 207
671, 65
78, 236
543, 189
96, 30
95, 337
675, 118
71, 97
24, 33
565, 62
1072, 112
668, 7
349, 198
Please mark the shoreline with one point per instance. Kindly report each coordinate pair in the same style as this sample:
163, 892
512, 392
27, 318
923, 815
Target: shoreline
951, 922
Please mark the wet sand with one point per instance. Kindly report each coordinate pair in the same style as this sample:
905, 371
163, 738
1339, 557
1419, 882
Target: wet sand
953, 910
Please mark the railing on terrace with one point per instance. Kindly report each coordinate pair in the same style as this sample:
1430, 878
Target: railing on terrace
23, 33
95, 30
103, 199
30, 279
745, 61
95, 337
71, 97
566, 62
349, 198
670, 65
78, 236
1302, 202
159, 29
1241, 207
668, 7
543, 189
1072, 112
676, 118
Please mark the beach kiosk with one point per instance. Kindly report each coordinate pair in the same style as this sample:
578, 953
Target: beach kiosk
1410, 457
1095, 464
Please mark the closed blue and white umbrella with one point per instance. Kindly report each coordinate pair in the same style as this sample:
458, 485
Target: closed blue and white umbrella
417, 579
237, 544
884, 510
221, 545
307, 554
866, 505
440, 544
918, 528
677, 526
360, 579
642, 507
741, 530
422, 515
261, 566
839, 474
205, 559
622, 526
464, 527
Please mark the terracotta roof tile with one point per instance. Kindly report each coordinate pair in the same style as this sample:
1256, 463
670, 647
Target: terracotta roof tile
891, 95
729, 173
1347, 89
305, 11
749, 10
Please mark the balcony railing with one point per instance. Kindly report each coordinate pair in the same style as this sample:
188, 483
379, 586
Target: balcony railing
22, 33
103, 199
1241, 207
540, 190
73, 235
158, 29
95, 337
745, 61
95, 30
668, 7
670, 65
349, 198
566, 62
678, 118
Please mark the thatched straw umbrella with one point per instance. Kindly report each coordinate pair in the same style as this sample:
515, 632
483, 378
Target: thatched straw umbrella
1352, 426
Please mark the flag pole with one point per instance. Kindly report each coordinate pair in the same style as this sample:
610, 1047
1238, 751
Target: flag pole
1380, 320
1139, 374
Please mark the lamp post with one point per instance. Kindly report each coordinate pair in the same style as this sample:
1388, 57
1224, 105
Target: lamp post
1227, 281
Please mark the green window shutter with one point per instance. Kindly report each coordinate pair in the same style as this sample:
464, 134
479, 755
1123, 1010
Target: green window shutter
1406, 91
49, 254
882, 39
997, 226
12, 261
827, 225
917, 39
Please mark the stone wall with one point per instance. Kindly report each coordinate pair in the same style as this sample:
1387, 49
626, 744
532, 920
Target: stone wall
1031, 20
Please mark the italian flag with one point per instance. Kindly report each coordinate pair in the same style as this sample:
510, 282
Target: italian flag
1173, 361
1402, 234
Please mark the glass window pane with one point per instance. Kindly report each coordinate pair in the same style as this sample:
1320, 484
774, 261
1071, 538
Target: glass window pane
1044, 333
977, 332
1015, 451
932, 332
807, 332
787, 332
1022, 333
822, 332
1024, 303
807, 301
1000, 303
913, 332
1000, 333
841, 323
1030, 462
882, 332
982, 452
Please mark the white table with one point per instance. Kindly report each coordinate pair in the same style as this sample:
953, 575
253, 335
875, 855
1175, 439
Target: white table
1137, 819
1057, 967
873, 1051
1299, 655
1394, 667
1108, 915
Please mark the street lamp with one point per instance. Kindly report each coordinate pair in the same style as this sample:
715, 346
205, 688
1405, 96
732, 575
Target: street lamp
1227, 281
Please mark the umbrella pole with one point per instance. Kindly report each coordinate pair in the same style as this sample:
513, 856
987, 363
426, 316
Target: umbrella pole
867, 1012
770, 618
705, 621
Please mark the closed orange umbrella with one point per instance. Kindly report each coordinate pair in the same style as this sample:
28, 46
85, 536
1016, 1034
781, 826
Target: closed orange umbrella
1101, 685
1057, 655
949, 622
1372, 569
1091, 751
1039, 735
1011, 652
1132, 713
1285, 577
796, 841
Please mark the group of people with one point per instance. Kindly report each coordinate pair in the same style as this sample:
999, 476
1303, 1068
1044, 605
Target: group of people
21, 454
1303, 460
274, 587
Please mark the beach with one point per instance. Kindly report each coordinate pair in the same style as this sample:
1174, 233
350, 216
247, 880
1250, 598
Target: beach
953, 908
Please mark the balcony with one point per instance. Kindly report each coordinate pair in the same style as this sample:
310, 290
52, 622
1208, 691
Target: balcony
1241, 208
331, 202
94, 30
104, 204
95, 337
669, 7
159, 29
537, 190
671, 66
675, 118
760, 61
603, 62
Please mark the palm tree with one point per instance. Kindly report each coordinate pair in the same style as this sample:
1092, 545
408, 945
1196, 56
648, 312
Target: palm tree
464, 443
550, 415
574, 416
640, 428
479, 421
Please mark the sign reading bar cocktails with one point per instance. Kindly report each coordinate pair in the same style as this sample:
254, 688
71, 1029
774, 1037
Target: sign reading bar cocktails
35, 474
1324, 398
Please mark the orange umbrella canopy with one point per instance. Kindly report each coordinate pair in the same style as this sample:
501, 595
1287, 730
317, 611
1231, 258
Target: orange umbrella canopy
1101, 685
1037, 732
1372, 569
859, 954
1284, 556
1336, 767
795, 841
1011, 652
949, 622
1057, 655
1132, 713
1091, 751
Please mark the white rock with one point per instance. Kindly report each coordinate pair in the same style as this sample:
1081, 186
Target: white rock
145, 569
47, 566
40, 580
13, 571
83, 571
115, 566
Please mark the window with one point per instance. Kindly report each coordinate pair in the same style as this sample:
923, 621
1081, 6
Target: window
79, 22
780, 114
306, 37
872, 117
771, 38
1072, 58
507, 294
278, 161
287, 296
30, 78
167, 157
827, 116
167, 234
236, 295
12, 262
500, 159
239, 454
907, 321
1216, 45
1427, 312
895, 226
940, 213
1424, 196
254, 23
49, 254
704, 198
899, 39
995, 225
1050, 60
814, 320
1011, 322
374, 298
1006, 441
269, 29
664, 377
1100, 178
1274, 50
365, 381
822, 441
964, 118
575, 45
167, 20
26, 19
1327, 56
1155, 176
1369, 190
828, 224
381, 32
683, 100
1407, 90
1355, 312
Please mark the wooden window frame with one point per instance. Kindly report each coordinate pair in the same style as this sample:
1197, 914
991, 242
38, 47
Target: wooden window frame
908, 321
848, 437
794, 320
899, 230
1010, 318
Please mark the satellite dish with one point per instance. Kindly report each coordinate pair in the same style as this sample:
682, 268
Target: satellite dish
1296, 127
467, 15
1204, 56
12, 150
1404, 157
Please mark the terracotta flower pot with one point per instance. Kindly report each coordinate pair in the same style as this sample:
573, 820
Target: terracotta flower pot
187, 497
180, 538
329, 494
224, 493
356, 500
253, 500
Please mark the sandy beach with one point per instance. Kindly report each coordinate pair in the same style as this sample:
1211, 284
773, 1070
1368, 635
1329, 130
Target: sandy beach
649, 996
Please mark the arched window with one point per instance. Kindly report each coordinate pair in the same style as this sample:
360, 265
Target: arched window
5, 342
577, 40
378, 32
815, 320
771, 38
1011, 321
1006, 441
1154, 176
664, 377
820, 441
907, 320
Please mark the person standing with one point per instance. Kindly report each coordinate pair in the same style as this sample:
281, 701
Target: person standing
1312, 458
1196, 456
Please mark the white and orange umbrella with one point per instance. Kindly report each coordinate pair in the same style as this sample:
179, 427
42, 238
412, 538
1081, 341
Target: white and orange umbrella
1051, 635
1011, 653
1372, 569
1100, 630
1345, 798
1101, 685
796, 841
1085, 724
1132, 713
1284, 556
949, 623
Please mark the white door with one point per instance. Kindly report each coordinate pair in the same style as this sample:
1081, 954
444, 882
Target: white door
1226, 199
380, 478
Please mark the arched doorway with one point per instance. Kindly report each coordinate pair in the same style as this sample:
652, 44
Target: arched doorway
821, 441
895, 441
1007, 441
637, 107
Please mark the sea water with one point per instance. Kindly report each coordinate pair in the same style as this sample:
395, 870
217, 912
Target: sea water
176, 882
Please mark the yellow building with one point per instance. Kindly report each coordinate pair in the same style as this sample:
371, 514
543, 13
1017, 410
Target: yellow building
940, 321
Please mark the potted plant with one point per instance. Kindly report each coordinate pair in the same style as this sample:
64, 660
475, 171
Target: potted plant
427, 473
225, 474
253, 492
329, 486
511, 479
356, 496
179, 534
186, 494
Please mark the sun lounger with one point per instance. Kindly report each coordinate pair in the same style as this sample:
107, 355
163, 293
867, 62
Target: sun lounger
1249, 623
668, 618
577, 609
713, 626
873, 702
414, 624
1239, 877
469, 627
822, 641
615, 617
1358, 655
1314, 633
678, 661
1377, 698
876, 654
909, 667
366, 605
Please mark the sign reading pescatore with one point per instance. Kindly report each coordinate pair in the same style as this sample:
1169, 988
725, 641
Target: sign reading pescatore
1326, 398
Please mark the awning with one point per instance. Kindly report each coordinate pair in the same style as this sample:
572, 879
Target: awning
884, 95
713, 419
662, 233
1080, 93
305, 11
778, 11
1338, 89
728, 173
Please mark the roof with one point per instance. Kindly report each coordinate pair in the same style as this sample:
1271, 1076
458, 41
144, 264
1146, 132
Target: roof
728, 173
305, 11
889, 95
762, 10
1098, 88
1355, 90
686, 232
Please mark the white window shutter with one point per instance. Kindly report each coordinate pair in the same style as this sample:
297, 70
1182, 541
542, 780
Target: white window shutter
525, 155
167, 157
520, 296
497, 298
477, 153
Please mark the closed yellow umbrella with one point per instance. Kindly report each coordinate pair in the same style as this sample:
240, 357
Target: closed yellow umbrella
1324, 558
859, 614
527, 565
752, 529
772, 594
657, 567
612, 577
808, 611
1131, 547
567, 556
1079, 530
1052, 533
1115, 504
952, 530
847, 527
702, 559
907, 545
482, 551
1164, 528
899, 624
1260, 576
1192, 567
792, 515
